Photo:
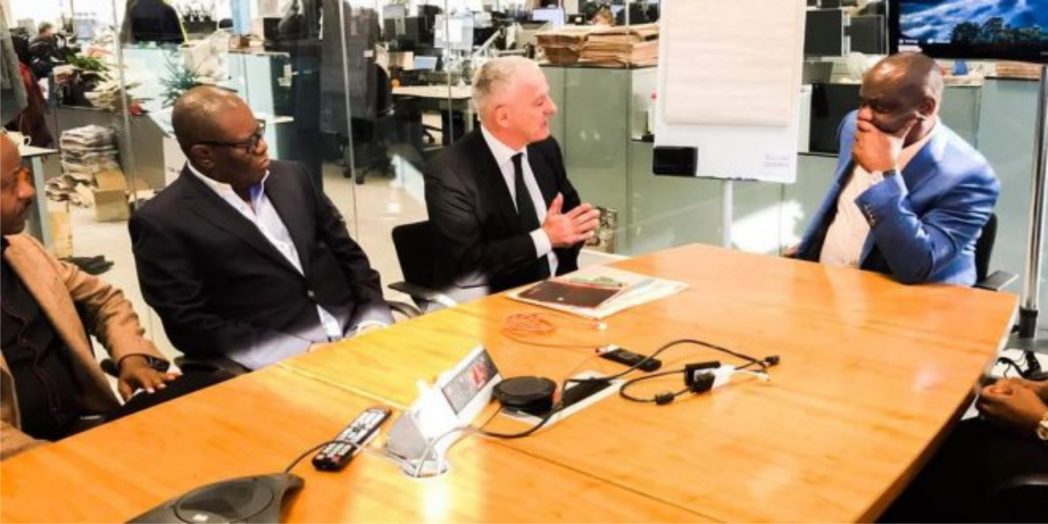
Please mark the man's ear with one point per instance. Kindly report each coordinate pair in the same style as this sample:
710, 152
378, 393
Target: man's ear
928, 107
202, 157
501, 116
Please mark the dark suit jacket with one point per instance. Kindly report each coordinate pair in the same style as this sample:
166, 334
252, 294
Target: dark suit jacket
471, 207
219, 286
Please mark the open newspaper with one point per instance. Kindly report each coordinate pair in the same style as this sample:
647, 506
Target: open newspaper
597, 291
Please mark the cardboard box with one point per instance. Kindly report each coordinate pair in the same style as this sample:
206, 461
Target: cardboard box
110, 196
61, 229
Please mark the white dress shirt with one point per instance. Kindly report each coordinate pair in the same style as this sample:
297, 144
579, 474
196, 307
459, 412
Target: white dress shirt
504, 158
847, 234
264, 216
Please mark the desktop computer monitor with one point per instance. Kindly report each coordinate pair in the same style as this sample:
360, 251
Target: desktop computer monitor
867, 34
555, 16
453, 32
824, 33
428, 63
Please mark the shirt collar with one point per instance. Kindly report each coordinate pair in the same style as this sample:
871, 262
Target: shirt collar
501, 151
254, 191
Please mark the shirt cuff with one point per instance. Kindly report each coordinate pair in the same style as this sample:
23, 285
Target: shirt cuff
543, 246
367, 324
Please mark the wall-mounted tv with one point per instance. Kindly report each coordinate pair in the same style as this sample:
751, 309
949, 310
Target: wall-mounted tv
976, 29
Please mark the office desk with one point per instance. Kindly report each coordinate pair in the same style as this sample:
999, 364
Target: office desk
444, 98
872, 374
258, 424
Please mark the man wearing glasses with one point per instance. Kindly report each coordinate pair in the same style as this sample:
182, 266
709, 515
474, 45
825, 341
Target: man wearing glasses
244, 259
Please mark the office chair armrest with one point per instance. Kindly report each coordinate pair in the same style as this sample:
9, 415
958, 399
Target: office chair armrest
423, 293
996, 281
403, 308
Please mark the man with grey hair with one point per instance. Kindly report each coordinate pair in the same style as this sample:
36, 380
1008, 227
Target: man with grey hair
499, 198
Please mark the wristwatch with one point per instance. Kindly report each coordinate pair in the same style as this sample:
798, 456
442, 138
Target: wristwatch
157, 364
1042, 428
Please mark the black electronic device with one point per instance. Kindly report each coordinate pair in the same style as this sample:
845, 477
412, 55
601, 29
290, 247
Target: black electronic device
574, 393
270, 28
258, 498
829, 104
579, 391
528, 394
629, 358
675, 161
576, 19
824, 33
867, 34
335, 456
973, 30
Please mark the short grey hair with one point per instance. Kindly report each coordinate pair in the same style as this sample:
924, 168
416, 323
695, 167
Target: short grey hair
494, 76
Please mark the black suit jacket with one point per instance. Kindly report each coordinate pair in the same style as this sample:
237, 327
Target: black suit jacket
483, 245
219, 286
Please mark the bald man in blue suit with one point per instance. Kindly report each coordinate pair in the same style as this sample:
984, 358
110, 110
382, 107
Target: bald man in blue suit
910, 197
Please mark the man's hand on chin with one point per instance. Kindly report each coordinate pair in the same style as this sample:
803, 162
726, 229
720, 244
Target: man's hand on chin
877, 151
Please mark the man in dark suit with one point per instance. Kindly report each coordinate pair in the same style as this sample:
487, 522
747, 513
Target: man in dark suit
499, 197
246, 260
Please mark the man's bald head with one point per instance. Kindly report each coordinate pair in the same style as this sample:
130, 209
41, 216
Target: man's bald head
220, 136
16, 188
198, 114
912, 75
901, 94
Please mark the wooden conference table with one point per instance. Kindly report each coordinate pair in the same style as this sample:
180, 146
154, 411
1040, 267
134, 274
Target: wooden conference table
872, 374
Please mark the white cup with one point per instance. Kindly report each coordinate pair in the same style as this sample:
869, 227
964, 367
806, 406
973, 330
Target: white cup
20, 140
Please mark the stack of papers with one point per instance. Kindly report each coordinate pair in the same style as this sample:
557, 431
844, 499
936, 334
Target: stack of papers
620, 46
562, 46
86, 151
635, 45
597, 291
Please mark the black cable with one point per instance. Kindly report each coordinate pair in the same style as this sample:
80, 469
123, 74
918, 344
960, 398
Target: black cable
558, 406
1011, 363
545, 418
669, 396
655, 399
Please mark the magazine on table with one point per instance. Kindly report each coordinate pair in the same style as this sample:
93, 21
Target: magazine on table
597, 291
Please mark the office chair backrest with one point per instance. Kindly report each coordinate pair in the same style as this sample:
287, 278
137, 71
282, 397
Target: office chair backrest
416, 246
984, 248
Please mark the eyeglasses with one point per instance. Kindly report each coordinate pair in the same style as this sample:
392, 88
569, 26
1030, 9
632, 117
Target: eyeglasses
250, 145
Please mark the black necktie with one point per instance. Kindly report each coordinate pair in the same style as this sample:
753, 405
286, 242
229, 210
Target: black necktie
529, 218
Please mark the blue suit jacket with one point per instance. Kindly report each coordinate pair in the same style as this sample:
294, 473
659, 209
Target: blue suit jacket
923, 223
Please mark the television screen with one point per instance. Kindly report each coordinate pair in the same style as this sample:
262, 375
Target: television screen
987, 29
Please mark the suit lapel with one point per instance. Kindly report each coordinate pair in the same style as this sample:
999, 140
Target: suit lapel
291, 207
51, 294
922, 168
211, 207
925, 164
491, 183
44, 286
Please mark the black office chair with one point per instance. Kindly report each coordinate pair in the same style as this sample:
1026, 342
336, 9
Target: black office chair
983, 253
1020, 499
417, 247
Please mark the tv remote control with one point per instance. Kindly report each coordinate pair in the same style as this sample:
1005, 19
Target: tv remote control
336, 455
